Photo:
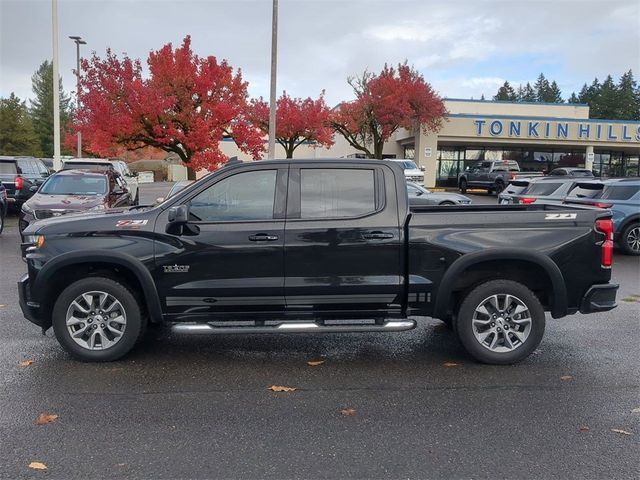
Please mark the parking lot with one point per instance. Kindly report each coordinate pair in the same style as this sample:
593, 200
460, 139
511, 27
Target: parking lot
409, 404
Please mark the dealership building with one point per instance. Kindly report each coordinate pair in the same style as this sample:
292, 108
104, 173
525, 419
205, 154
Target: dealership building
538, 136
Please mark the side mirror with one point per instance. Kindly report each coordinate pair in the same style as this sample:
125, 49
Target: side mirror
422, 168
178, 218
418, 193
118, 191
159, 199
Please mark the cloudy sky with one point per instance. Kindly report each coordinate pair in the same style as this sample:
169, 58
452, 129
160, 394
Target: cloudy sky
464, 48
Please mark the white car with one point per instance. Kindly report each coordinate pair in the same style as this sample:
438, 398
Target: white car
411, 171
131, 179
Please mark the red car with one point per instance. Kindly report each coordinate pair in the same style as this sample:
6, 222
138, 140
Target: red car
75, 191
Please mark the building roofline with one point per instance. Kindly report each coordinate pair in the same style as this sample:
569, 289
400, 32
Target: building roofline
583, 105
533, 118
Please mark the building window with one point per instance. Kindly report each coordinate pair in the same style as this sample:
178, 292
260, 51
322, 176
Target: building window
409, 152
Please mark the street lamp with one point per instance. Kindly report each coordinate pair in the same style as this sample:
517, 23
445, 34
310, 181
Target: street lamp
272, 97
78, 41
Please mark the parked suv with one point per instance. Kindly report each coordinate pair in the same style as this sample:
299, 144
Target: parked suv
75, 191
622, 197
492, 175
3, 205
411, 171
543, 188
131, 179
21, 177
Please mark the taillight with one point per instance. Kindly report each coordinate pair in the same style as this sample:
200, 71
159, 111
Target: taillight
513, 175
527, 200
19, 183
605, 226
603, 205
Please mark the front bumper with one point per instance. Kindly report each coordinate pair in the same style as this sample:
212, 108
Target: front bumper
30, 309
599, 298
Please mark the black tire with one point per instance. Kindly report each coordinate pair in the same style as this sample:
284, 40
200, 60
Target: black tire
499, 187
135, 322
463, 186
628, 239
447, 203
465, 328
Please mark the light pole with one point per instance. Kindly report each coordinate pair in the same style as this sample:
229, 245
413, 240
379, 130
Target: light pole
78, 41
56, 88
272, 98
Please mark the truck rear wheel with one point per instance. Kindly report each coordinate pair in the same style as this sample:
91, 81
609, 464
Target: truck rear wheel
97, 320
630, 239
500, 322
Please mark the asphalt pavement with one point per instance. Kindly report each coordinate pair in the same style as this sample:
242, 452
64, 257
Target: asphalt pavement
402, 405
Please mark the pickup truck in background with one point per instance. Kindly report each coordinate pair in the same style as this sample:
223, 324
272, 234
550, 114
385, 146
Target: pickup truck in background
21, 176
492, 175
314, 246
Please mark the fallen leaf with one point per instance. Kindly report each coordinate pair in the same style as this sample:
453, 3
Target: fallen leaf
315, 363
2, 305
45, 418
450, 364
37, 466
278, 388
584, 428
348, 412
636, 410
630, 299
566, 377
25, 363
621, 432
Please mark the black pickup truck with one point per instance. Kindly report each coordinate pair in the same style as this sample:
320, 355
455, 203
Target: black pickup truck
314, 246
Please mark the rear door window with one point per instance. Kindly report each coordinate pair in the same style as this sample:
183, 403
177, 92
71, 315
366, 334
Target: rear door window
336, 193
8, 168
586, 190
619, 192
542, 188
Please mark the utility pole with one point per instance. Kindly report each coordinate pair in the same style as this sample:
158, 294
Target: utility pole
56, 88
272, 98
78, 41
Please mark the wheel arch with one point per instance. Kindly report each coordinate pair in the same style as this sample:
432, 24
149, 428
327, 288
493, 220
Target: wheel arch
631, 219
112, 264
541, 264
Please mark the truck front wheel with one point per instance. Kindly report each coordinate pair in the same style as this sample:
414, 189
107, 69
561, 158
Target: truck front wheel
97, 319
500, 322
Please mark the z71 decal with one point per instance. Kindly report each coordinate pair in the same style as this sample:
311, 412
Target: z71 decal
131, 223
560, 216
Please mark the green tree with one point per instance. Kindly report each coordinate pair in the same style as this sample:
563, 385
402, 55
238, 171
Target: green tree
628, 99
42, 107
17, 135
506, 93
554, 95
573, 98
542, 88
526, 94
605, 101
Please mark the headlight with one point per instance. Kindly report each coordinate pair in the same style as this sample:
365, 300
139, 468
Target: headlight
34, 240
27, 209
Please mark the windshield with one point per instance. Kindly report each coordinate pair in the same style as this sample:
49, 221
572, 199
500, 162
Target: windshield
409, 165
85, 166
72, 185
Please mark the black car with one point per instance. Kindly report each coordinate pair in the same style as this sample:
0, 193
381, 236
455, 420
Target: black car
21, 177
75, 191
314, 246
3, 205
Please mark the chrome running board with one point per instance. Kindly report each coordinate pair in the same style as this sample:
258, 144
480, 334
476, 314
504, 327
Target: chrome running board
295, 327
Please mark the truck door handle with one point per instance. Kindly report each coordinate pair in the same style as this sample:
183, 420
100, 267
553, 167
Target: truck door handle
377, 235
263, 237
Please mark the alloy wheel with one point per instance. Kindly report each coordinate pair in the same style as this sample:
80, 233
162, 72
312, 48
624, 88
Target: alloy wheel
633, 239
501, 323
96, 320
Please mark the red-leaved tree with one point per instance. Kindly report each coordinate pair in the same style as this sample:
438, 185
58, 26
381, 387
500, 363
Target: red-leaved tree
186, 105
297, 121
395, 98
